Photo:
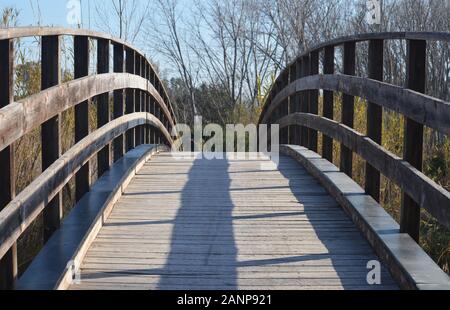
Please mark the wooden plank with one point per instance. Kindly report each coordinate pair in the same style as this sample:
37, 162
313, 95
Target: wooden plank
410, 266
118, 100
50, 130
224, 227
8, 263
346, 161
413, 140
81, 61
374, 116
129, 100
103, 111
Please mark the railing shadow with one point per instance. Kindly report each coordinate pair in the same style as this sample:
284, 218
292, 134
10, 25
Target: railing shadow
203, 252
345, 250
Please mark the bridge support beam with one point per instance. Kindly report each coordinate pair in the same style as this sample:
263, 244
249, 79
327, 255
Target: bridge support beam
8, 264
413, 140
50, 130
348, 105
374, 117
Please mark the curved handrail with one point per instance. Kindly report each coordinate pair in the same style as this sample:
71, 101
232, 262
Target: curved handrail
20, 32
361, 37
424, 191
435, 113
26, 206
19, 118
427, 36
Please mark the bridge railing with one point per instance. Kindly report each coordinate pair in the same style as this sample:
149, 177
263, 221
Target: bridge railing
293, 104
142, 113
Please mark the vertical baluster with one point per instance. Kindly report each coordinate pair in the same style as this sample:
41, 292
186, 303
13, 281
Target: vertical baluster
348, 103
143, 98
82, 178
298, 102
146, 102
118, 100
283, 108
305, 101
374, 116
103, 113
328, 102
137, 99
50, 130
413, 140
313, 99
129, 100
8, 263
292, 101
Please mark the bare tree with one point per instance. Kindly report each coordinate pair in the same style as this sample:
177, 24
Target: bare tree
123, 18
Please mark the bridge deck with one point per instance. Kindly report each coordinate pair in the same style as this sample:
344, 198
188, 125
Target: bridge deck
227, 224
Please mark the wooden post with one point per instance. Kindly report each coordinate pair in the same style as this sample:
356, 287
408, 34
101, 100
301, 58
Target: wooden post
328, 102
374, 116
413, 140
298, 102
103, 113
137, 99
292, 103
148, 101
284, 108
81, 51
305, 101
129, 101
8, 263
118, 100
50, 130
151, 131
313, 99
348, 103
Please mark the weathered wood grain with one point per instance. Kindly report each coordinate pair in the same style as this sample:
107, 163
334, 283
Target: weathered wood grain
424, 109
23, 116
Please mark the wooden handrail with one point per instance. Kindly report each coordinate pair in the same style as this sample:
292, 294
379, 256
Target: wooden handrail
296, 90
26, 206
19, 118
146, 94
432, 112
21, 32
429, 195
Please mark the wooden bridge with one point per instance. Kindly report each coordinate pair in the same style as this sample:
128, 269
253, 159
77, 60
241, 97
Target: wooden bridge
155, 221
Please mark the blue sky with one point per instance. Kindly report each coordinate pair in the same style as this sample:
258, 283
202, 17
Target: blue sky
53, 12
